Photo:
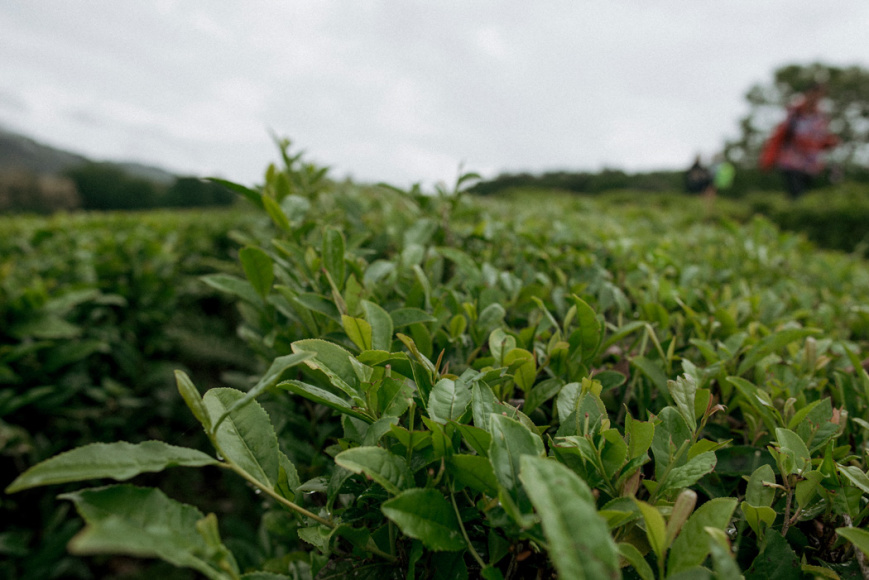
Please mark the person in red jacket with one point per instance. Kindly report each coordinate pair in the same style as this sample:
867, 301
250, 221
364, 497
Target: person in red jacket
797, 145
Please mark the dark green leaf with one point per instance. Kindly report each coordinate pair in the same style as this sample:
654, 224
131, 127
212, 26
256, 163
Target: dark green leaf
690, 473
278, 367
474, 471
246, 437
323, 397
580, 544
259, 269
510, 441
382, 326
690, 549
275, 212
387, 469
191, 396
448, 400
143, 522
333, 255
119, 461
773, 343
587, 337
776, 561
254, 197
858, 537
426, 515
233, 285
332, 360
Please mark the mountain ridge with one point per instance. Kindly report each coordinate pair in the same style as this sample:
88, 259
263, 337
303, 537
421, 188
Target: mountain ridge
20, 152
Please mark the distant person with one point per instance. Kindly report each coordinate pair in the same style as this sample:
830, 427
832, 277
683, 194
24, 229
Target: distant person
698, 179
796, 146
723, 173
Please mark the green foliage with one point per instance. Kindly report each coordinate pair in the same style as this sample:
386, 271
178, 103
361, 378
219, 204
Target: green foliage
95, 312
104, 186
507, 389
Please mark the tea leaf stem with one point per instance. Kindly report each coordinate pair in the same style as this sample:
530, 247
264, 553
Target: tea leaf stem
278, 498
471, 548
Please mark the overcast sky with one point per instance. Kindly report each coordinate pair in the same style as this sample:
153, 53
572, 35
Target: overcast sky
404, 91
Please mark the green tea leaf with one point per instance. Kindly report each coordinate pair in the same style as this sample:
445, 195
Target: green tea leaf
491, 317
723, 560
143, 522
358, 330
191, 396
565, 403
682, 390
858, 537
259, 269
690, 473
474, 471
246, 437
773, 343
381, 325
751, 394
653, 372
688, 550
776, 561
387, 469
426, 515
233, 285
758, 494
333, 360
580, 544
807, 489
119, 461
448, 400
758, 518
510, 441
268, 380
394, 397
483, 404
669, 436
542, 392
524, 367
333, 255
275, 212
793, 446
476, 438
323, 397
630, 553
500, 343
587, 337
640, 435
407, 316
656, 529
856, 476
252, 196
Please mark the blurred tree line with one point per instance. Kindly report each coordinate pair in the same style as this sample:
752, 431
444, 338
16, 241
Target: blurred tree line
103, 186
848, 106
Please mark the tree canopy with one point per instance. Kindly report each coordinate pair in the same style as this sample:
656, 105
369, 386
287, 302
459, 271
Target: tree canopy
847, 102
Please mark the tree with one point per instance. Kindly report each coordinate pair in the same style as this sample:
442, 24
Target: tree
104, 186
848, 100
195, 192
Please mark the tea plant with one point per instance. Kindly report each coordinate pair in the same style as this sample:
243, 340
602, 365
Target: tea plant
95, 312
478, 388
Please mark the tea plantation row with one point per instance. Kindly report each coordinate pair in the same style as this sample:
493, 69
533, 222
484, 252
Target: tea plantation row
495, 388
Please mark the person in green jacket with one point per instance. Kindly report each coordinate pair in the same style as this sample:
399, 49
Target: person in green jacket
723, 173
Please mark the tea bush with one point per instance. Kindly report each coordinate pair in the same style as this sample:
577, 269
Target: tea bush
95, 313
513, 388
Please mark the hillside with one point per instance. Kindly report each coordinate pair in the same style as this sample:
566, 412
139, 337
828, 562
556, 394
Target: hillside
20, 153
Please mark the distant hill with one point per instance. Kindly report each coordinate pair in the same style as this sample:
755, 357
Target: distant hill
20, 153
